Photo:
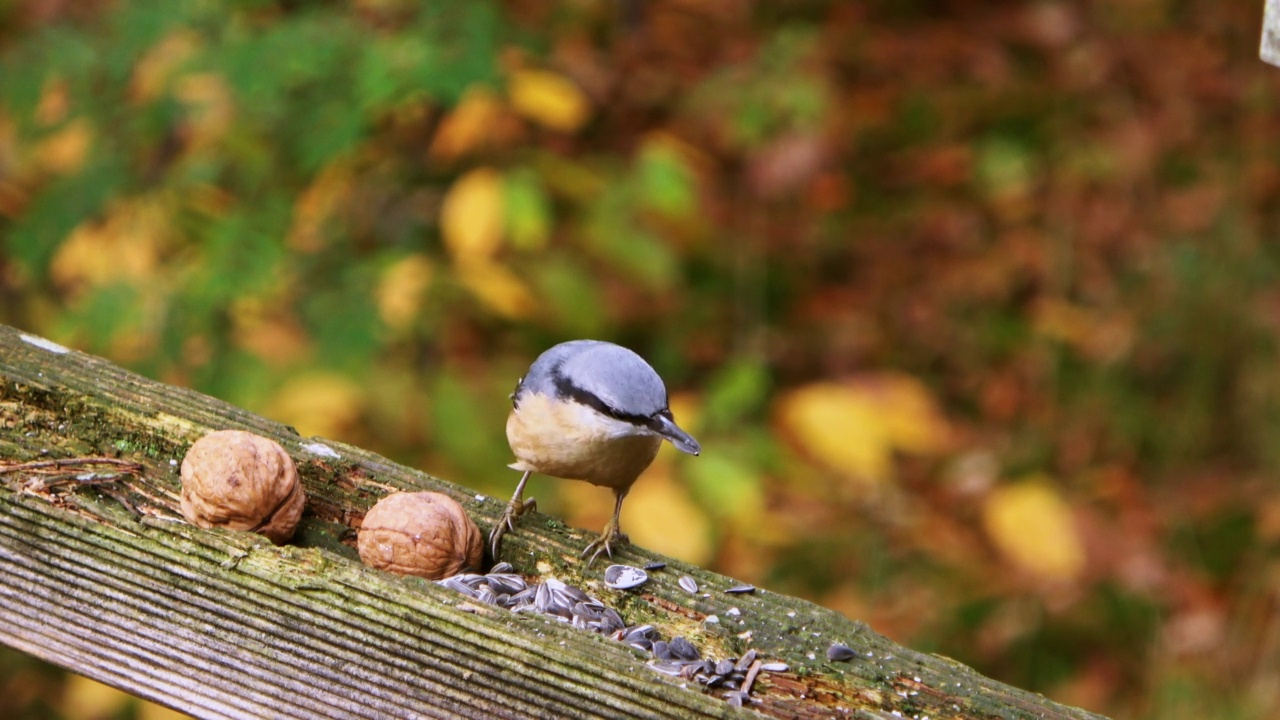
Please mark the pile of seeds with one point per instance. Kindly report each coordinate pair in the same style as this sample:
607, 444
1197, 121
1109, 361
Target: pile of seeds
506, 589
678, 657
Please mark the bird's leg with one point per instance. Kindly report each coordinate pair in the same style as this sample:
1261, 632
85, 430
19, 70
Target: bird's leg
517, 507
612, 533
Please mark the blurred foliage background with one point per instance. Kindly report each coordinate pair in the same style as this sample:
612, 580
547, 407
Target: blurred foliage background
973, 306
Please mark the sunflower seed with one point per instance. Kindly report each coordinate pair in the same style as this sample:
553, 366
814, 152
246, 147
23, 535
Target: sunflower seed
745, 661
501, 568
644, 632
586, 612
741, 589
654, 566
507, 583
683, 649
669, 668
624, 577
736, 697
542, 600
568, 591
466, 588
689, 584
611, 621
840, 653
724, 667
662, 650
777, 667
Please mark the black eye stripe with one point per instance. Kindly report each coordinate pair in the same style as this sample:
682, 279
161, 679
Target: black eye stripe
566, 388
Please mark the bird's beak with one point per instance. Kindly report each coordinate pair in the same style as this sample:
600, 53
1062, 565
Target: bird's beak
684, 442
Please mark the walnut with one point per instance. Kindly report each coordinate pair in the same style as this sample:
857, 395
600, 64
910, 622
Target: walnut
425, 533
240, 481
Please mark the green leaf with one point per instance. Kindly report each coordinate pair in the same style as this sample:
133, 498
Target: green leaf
612, 234
666, 183
528, 212
727, 487
737, 391
573, 294
1004, 166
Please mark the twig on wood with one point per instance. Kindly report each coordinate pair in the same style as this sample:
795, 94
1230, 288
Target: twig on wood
751, 677
44, 466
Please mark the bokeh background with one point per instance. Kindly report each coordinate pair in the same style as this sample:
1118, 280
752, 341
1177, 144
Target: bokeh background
974, 306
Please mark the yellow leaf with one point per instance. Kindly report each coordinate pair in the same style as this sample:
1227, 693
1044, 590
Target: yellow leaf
152, 73
55, 102
498, 288
910, 415
319, 403
90, 699
1061, 320
856, 427
123, 247
660, 515
686, 408
548, 99
469, 126
266, 328
841, 428
1032, 525
325, 197
210, 108
471, 217
64, 151
1104, 337
401, 289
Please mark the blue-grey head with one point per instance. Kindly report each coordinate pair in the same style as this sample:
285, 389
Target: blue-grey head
611, 380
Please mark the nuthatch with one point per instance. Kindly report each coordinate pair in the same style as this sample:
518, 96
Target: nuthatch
593, 411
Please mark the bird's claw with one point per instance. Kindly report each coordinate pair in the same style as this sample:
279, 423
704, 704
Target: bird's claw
506, 523
604, 543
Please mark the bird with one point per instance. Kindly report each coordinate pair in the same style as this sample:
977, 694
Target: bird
588, 410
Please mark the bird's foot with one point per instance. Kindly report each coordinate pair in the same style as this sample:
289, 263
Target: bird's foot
603, 544
506, 522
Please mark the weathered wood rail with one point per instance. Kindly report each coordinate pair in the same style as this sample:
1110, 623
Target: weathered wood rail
101, 576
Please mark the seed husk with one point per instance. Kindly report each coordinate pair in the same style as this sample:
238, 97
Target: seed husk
839, 652
624, 577
689, 584
741, 589
683, 649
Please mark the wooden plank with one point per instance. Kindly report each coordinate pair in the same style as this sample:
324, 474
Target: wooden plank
105, 579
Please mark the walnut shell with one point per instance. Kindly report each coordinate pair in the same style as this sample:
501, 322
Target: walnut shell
240, 481
424, 533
